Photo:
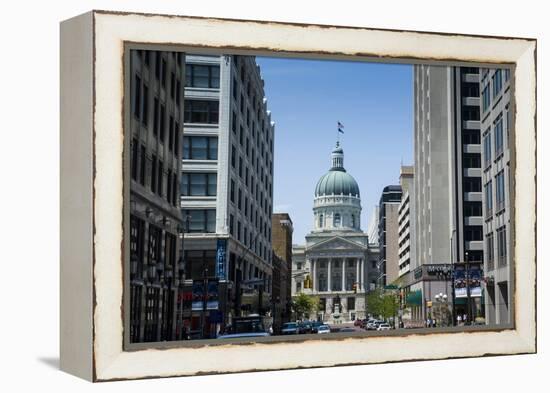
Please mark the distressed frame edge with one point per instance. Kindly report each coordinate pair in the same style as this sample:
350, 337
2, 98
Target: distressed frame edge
76, 171
530, 339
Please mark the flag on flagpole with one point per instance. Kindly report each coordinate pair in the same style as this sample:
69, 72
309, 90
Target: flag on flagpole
340, 127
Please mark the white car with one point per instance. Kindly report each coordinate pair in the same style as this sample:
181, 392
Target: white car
323, 329
384, 326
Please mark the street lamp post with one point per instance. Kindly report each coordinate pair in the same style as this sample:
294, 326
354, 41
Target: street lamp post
441, 301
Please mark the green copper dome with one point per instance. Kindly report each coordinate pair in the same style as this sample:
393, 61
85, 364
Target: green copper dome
337, 181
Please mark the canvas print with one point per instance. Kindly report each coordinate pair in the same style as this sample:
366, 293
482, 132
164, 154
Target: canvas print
278, 198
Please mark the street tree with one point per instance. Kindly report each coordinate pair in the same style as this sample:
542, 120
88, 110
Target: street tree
303, 305
383, 303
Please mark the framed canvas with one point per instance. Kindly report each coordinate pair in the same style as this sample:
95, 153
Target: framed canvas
171, 303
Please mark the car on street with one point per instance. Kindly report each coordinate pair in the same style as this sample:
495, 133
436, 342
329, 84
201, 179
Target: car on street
323, 329
315, 326
304, 327
384, 326
290, 328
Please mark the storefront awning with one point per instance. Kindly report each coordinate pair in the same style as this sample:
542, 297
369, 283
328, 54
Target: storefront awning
414, 298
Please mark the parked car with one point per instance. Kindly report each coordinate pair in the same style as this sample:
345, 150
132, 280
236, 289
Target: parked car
290, 328
304, 327
315, 326
323, 329
357, 322
347, 330
384, 326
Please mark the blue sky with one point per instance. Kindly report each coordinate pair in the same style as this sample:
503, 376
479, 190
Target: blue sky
306, 98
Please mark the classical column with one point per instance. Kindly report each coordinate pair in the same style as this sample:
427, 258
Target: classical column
329, 272
357, 278
362, 269
343, 274
313, 274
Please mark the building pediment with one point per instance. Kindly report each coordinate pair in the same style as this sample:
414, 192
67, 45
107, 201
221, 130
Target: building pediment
337, 243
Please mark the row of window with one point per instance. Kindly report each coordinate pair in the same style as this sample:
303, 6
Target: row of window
162, 183
200, 148
500, 194
200, 220
502, 249
154, 246
199, 184
496, 83
243, 173
202, 76
498, 142
251, 240
201, 111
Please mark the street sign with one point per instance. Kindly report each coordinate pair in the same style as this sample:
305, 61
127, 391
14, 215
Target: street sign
391, 286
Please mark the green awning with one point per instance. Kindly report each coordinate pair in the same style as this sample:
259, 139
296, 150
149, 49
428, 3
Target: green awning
414, 298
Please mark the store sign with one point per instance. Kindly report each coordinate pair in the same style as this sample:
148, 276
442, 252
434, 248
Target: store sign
460, 283
221, 259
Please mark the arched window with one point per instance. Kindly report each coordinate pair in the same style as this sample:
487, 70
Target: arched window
353, 220
320, 220
337, 220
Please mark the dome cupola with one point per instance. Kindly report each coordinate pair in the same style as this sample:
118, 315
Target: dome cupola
337, 204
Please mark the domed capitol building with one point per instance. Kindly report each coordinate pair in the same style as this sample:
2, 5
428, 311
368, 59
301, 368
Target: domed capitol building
337, 264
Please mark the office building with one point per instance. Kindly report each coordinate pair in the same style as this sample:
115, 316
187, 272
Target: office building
227, 187
447, 188
282, 229
496, 126
388, 234
156, 115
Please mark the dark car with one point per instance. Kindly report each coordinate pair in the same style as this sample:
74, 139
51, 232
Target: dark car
304, 327
290, 328
315, 326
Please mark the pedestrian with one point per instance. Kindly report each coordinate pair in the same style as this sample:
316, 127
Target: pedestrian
458, 320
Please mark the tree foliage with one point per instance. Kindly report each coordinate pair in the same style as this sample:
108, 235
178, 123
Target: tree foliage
303, 305
383, 303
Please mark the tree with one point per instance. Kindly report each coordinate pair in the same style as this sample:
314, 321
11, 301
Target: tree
303, 304
383, 303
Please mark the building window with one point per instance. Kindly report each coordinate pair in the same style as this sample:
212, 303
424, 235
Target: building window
500, 196
134, 159
231, 224
501, 246
470, 137
497, 82
337, 220
499, 143
473, 233
487, 149
198, 184
154, 174
232, 191
201, 111
142, 165
145, 113
471, 184
137, 97
350, 303
472, 209
203, 76
486, 98
162, 122
353, 220
321, 223
471, 160
489, 198
239, 199
489, 245
200, 148
233, 154
470, 113
201, 220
